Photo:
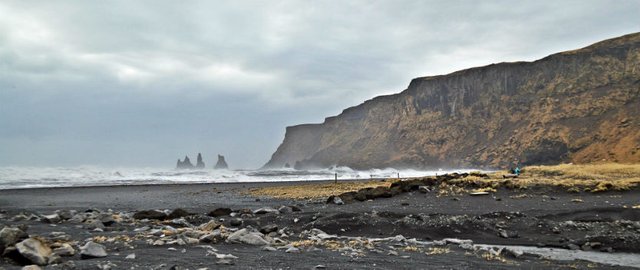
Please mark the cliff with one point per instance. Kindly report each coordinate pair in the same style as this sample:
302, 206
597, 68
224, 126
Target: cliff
576, 106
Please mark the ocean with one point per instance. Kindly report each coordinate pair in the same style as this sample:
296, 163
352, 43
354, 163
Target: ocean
37, 177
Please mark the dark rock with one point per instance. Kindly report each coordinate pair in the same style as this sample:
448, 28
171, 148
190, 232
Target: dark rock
219, 212
34, 250
269, 228
150, 214
221, 164
199, 162
508, 234
92, 250
404, 204
285, 209
210, 226
106, 219
573, 247
53, 218
178, 213
235, 222
65, 250
266, 210
295, 208
335, 200
10, 236
348, 197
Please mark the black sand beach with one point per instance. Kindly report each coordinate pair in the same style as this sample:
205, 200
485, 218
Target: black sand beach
356, 235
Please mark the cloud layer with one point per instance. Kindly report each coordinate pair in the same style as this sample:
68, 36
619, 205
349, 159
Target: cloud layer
145, 82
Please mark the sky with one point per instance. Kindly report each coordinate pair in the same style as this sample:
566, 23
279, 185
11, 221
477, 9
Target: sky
143, 83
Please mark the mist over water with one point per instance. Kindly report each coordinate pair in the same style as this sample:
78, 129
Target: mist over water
35, 177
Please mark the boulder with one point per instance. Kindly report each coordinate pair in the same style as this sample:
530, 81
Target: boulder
106, 219
245, 237
266, 210
10, 236
285, 209
335, 200
219, 212
178, 213
269, 228
34, 250
53, 218
210, 226
92, 250
31, 267
221, 164
150, 214
65, 250
235, 222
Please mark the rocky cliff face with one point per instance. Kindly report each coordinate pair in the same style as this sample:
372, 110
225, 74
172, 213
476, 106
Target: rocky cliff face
575, 106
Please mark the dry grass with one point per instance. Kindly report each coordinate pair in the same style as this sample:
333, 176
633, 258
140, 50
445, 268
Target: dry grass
316, 190
572, 178
437, 250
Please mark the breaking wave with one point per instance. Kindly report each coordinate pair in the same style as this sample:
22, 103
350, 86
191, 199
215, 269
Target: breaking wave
36, 177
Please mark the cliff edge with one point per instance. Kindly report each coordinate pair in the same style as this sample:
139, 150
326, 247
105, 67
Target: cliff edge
574, 106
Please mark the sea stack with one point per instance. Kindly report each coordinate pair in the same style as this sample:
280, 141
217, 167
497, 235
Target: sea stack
200, 163
221, 164
186, 164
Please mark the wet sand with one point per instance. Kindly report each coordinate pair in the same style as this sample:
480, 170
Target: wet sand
601, 222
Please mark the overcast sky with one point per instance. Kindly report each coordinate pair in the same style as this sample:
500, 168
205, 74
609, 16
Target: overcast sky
141, 83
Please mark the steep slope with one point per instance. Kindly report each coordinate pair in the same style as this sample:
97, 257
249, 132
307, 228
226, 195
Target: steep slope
575, 106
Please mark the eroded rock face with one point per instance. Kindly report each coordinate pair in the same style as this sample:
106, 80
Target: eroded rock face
199, 162
185, 164
575, 106
221, 164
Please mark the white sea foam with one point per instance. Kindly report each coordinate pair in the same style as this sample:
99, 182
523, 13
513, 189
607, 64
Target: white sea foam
34, 177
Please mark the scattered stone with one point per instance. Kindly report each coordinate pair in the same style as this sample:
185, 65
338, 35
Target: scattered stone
10, 236
266, 210
335, 200
479, 193
512, 252
131, 256
320, 266
269, 228
219, 212
235, 222
210, 226
106, 219
424, 189
246, 237
508, 234
295, 208
213, 237
93, 224
34, 250
53, 218
65, 250
225, 262
92, 250
268, 248
285, 209
292, 250
150, 214
404, 204
573, 247
31, 267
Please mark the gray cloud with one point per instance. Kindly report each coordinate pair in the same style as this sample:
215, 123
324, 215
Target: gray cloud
145, 82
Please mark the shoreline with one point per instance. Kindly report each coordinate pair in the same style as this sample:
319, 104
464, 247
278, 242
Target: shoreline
548, 218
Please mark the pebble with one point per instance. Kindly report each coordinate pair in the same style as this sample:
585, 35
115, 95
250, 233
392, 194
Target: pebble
131, 256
